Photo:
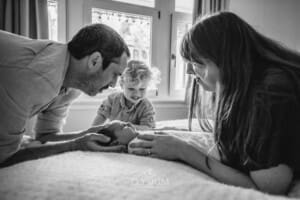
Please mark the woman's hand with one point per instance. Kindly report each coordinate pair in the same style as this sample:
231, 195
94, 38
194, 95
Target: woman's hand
160, 145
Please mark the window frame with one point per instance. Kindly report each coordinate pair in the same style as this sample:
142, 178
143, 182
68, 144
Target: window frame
176, 17
72, 15
125, 8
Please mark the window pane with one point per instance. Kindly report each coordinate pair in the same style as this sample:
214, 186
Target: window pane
52, 19
184, 6
148, 3
181, 76
135, 29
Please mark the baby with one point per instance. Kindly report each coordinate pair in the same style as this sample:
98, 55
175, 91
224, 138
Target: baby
131, 105
120, 133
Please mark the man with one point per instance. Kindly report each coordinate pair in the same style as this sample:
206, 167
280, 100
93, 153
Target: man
43, 77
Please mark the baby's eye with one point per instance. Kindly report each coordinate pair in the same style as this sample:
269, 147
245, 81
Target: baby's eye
142, 89
131, 89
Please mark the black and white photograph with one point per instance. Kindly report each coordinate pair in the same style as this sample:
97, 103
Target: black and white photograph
149, 99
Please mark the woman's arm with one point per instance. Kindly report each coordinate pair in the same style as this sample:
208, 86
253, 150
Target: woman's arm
274, 180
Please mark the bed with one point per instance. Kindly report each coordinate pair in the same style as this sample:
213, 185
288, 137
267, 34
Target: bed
89, 175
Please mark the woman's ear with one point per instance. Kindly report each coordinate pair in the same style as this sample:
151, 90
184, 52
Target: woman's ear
95, 61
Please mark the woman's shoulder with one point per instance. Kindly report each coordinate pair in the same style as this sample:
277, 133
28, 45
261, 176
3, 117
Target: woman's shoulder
278, 81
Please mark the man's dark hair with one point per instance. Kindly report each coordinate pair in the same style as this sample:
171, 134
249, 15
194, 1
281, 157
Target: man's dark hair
101, 38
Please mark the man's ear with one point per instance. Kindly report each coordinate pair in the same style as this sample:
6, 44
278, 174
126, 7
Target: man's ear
121, 84
95, 61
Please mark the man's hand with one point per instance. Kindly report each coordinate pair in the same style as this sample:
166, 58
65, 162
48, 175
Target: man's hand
96, 142
118, 131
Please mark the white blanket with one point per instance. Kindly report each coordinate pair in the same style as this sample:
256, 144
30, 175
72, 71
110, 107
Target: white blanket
88, 175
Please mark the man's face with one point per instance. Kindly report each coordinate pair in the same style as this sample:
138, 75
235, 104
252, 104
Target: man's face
102, 79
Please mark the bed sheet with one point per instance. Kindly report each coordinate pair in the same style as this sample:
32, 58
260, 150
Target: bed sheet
90, 175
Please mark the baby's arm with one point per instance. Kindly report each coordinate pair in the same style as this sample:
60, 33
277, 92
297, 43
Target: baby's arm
147, 118
104, 111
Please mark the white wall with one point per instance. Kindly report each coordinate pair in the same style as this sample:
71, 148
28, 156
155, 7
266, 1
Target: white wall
278, 19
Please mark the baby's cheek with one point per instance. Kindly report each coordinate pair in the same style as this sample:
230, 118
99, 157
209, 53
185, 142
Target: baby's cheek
135, 140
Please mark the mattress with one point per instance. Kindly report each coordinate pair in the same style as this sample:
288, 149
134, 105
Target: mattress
96, 175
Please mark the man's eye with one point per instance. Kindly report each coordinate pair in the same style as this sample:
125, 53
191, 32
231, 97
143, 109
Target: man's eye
130, 89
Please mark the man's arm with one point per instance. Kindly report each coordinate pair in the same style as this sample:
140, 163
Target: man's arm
50, 121
37, 152
88, 142
57, 137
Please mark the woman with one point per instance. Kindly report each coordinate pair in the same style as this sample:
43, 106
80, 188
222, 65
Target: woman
256, 83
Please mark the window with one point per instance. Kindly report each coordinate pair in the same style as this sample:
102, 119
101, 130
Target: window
52, 19
148, 3
181, 22
134, 29
184, 6
134, 25
152, 29
57, 20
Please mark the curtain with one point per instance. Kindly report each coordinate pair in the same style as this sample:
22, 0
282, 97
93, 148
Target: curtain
201, 7
25, 17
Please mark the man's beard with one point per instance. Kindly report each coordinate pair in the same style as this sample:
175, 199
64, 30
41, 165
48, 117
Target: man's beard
86, 84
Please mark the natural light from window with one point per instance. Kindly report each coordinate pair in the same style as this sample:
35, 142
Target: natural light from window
185, 6
180, 75
52, 20
148, 3
135, 30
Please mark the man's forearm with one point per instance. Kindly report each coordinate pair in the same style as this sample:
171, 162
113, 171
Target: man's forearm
56, 137
38, 152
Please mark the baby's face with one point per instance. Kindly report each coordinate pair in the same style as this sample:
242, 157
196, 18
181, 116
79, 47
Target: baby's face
124, 132
133, 91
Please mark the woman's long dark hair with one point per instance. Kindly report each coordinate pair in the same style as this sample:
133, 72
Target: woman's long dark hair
243, 56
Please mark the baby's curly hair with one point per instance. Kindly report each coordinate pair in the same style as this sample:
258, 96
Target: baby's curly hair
137, 71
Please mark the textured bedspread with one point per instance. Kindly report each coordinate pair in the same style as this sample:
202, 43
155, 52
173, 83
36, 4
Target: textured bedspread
88, 175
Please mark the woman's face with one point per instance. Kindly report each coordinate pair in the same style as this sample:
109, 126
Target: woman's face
208, 73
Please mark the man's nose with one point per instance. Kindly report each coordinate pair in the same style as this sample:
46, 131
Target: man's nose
114, 83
